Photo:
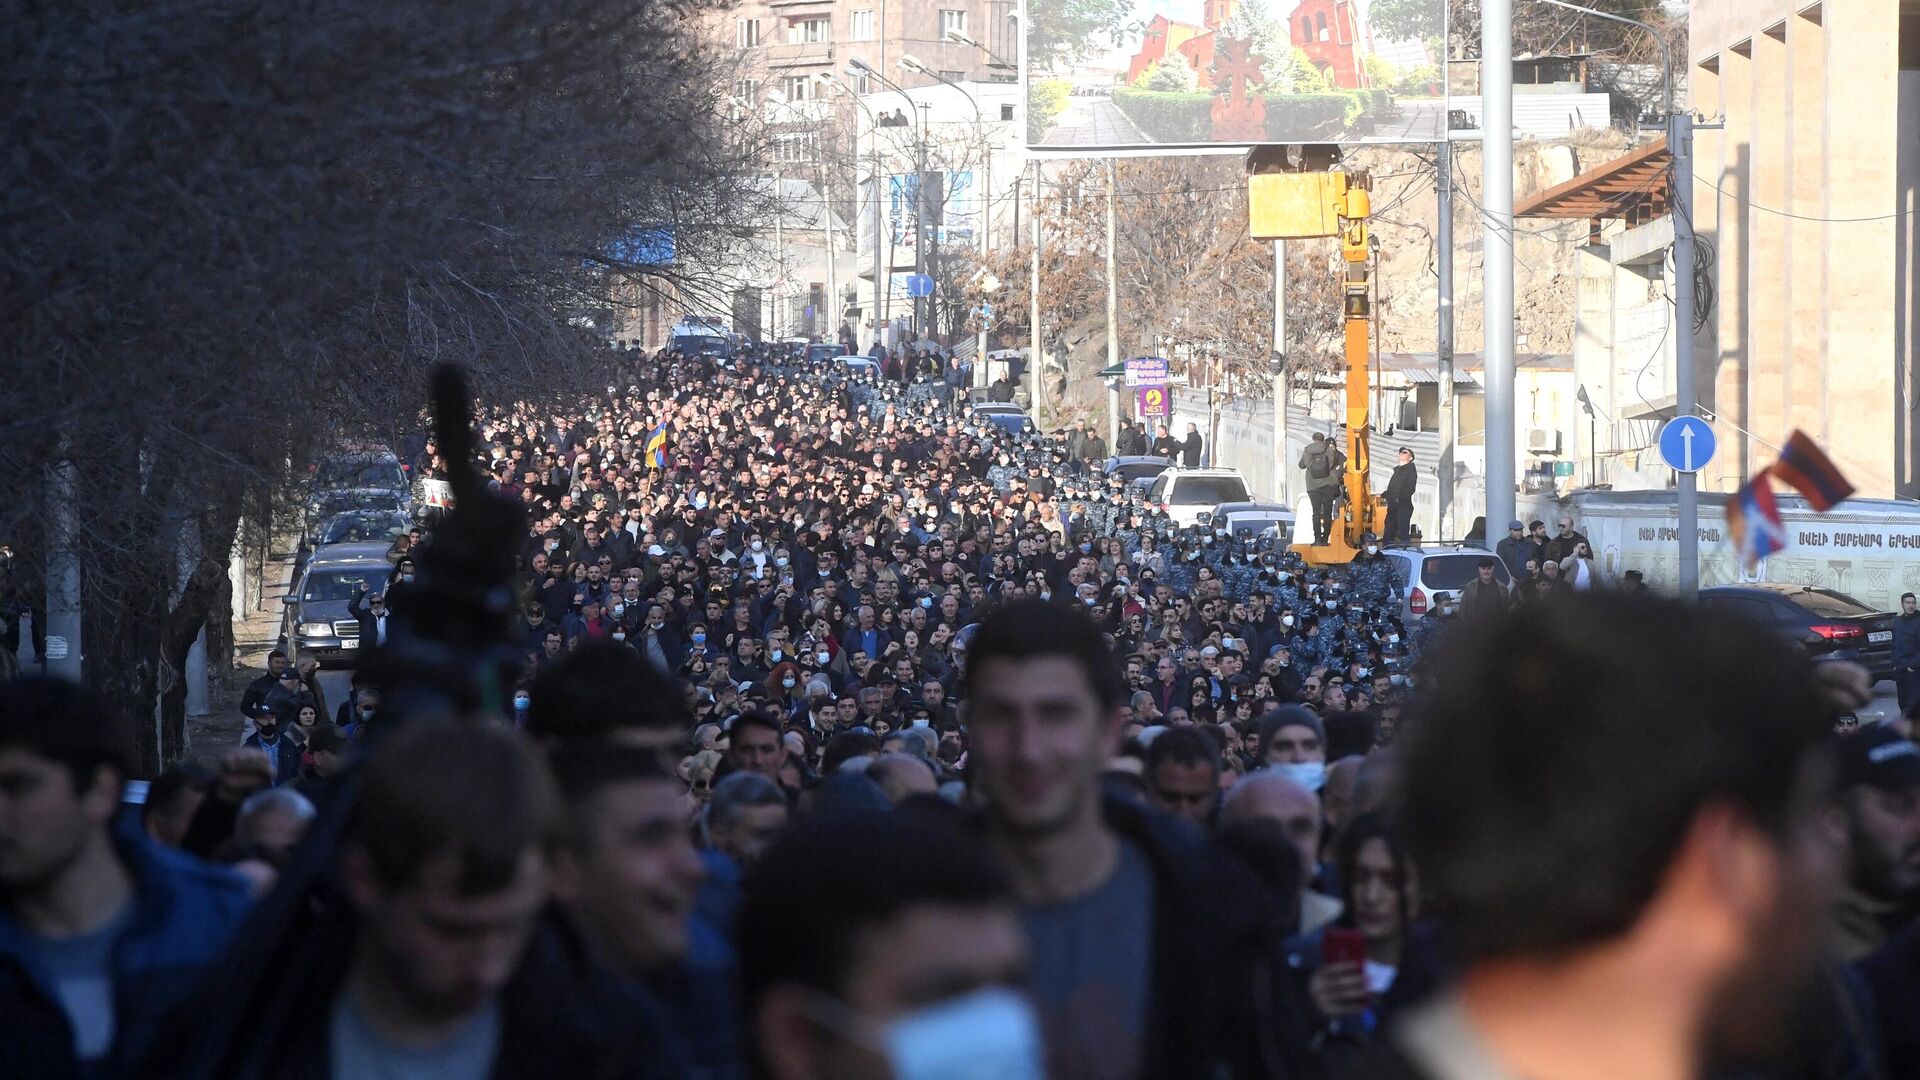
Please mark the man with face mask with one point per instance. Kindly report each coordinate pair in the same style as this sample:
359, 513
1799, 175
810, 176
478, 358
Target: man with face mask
911, 966
1293, 742
1697, 846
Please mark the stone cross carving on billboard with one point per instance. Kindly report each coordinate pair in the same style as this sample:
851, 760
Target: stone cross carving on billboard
1239, 115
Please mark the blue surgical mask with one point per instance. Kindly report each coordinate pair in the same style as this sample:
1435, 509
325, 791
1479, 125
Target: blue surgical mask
699, 639
926, 601
990, 1032
1311, 775
521, 703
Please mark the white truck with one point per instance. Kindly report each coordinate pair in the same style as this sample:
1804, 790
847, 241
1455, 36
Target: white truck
1866, 548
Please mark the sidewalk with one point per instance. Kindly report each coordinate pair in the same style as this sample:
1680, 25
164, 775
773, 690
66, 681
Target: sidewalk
253, 638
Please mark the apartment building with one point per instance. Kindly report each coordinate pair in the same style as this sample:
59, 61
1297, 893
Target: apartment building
782, 44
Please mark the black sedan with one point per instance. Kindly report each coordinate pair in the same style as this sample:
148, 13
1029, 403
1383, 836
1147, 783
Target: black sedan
1829, 625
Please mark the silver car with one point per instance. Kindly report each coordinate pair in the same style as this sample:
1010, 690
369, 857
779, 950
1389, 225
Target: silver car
1423, 572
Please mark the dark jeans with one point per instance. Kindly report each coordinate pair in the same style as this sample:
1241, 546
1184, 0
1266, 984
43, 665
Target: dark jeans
1323, 500
1907, 686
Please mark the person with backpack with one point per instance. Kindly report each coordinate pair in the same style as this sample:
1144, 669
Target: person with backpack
1322, 462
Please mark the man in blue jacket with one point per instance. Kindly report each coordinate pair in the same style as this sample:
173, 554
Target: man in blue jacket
102, 933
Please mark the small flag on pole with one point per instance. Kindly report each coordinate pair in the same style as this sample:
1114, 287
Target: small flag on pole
1806, 468
1753, 519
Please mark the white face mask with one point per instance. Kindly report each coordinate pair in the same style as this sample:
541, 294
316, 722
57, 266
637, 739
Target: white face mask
990, 1032
823, 658
1311, 775
1286, 620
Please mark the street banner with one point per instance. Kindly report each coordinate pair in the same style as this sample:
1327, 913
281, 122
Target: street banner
1147, 371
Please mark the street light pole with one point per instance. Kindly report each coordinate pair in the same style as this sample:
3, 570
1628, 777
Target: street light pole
860, 67
1496, 104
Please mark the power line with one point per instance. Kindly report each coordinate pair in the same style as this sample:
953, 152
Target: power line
1751, 205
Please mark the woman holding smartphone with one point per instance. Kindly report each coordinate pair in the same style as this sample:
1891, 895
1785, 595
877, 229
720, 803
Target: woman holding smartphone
1352, 965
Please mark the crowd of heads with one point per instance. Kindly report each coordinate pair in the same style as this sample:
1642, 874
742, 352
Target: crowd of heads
860, 738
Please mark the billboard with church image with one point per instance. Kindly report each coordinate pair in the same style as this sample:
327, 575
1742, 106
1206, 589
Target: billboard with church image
1216, 76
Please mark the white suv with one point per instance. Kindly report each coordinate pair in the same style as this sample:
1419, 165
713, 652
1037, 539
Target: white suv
1185, 494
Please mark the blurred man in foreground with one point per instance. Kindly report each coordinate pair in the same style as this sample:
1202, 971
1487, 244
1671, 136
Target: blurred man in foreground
1635, 887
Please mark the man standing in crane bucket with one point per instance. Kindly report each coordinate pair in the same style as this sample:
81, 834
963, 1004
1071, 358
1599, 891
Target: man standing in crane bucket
1322, 462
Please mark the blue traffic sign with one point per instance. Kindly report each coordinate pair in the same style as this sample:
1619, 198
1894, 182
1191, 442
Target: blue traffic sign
919, 285
1686, 443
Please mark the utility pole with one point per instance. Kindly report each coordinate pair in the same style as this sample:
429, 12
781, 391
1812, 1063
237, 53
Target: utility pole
1496, 214
1033, 310
1685, 403
920, 239
1113, 290
1443, 465
1281, 379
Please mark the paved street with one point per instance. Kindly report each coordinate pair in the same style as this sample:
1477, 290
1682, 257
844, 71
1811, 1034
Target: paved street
1094, 121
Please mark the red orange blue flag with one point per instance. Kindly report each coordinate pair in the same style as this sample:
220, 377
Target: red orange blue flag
1804, 467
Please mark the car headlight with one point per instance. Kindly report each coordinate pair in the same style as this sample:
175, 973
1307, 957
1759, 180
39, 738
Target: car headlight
316, 629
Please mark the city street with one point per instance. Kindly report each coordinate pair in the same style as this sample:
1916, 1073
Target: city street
1094, 121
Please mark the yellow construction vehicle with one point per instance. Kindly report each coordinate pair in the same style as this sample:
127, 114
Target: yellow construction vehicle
1286, 204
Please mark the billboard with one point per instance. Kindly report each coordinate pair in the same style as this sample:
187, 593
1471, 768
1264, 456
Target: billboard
1218, 76
953, 211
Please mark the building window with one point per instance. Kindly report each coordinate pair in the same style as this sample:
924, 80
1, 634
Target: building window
860, 26
809, 31
746, 33
1320, 26
746, 89
954, 76
863, 83
1006, 112
797, 148
798, 87
953, 21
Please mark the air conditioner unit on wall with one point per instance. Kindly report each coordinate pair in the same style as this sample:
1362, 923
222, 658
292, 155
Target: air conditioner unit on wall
1542, 440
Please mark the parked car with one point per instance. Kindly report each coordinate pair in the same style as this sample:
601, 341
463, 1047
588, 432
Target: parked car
1422, 572
856, 366
1251, 520
824, 350
1828, 625
357, 525
318, 623
1185, 494
1004, 415
357, 479
1136, 467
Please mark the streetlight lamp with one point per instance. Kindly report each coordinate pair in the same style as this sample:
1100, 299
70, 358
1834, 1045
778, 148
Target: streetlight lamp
858, 67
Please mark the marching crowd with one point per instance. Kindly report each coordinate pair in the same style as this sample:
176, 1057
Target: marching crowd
861, 738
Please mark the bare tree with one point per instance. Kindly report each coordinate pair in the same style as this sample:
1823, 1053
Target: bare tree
231, 231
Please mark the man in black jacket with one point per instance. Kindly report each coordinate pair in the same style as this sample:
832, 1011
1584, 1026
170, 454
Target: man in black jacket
1152, 950
432, 951
1399, 498
1702, 881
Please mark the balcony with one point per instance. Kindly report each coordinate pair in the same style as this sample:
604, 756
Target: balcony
811, 53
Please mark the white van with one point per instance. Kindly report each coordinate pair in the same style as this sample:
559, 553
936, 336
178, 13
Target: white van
1864, 548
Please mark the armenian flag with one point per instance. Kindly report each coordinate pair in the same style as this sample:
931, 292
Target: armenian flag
656, 448
1753, 519
1807, 469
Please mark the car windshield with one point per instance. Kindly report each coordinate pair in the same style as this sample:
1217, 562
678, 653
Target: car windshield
335, 502
360, 474
1135, 472
1828, 604
358, 527
1209, 490
1252, 524
1450, 572
342, 584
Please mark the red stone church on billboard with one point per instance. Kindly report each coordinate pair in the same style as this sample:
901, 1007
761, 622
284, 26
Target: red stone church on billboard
1332, 33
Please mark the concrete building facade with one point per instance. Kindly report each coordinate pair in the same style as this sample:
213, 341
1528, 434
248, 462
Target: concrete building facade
1808, 200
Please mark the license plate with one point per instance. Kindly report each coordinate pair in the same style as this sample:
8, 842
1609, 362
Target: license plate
1879, 636
350, 643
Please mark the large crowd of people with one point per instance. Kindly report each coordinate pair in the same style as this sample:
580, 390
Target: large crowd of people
858, 737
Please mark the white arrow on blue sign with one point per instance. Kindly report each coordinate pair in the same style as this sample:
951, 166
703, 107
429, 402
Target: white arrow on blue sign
919, 285
1686, 443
